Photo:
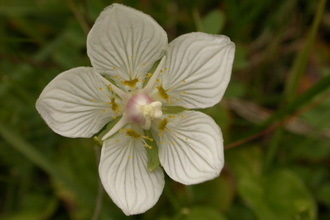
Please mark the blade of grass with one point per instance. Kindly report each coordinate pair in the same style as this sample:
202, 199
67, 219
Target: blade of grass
285, 112
291, 86
300, 62
78, 16
320, 87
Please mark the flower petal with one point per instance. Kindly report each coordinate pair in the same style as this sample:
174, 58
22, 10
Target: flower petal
125, 176
197, 70
76, 103
125, 43
190, 147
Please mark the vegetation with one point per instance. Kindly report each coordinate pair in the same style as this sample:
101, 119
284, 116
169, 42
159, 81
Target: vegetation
275, 115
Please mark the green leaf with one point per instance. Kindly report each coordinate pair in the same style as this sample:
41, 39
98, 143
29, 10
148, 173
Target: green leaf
152, 151
213, 22
278, 194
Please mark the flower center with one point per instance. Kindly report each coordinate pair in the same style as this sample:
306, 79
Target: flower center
142, 110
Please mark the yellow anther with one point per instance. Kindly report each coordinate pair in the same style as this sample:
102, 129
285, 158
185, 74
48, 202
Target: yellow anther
184, 92
129, 157
93, 100
143, 64
186, 139
117, 141
162, 93
114, 117
157, 80
120, 130
184, 81
114, 105
162, 142
132, 133
114, 67
132, 57
172, 143
116, 77
100, 88
165, 68
131, 83
176, 100
149, 75
103, 111
162, 125
96, 139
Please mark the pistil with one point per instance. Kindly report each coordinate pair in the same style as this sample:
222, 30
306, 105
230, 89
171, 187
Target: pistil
142, 110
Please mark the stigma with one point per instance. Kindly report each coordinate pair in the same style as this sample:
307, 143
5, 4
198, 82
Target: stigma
142, 110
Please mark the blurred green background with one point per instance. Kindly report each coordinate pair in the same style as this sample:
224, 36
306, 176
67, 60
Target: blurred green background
275, 115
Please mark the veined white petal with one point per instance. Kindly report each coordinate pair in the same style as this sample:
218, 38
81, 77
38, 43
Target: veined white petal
125, 176
120, 124
197, 70
124, 43
76, 103
190, 147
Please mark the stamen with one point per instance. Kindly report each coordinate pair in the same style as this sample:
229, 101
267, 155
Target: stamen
140, 137
132, 133
131, 83
148, 75
118, 91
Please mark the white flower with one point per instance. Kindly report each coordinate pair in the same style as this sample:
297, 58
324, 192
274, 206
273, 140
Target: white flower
194, 70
